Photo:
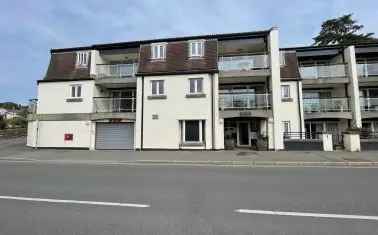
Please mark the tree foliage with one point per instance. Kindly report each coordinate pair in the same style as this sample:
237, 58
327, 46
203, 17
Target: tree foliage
342, 30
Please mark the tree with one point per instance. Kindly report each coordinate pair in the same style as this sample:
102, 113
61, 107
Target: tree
3, 123
342, 30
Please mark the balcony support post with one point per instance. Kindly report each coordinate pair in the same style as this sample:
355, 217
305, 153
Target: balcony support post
275, 81
353, 89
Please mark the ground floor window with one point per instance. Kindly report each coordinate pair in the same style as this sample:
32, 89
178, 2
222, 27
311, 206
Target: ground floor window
192, 131
286, 129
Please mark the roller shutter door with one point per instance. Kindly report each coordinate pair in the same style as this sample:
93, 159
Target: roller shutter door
114, 135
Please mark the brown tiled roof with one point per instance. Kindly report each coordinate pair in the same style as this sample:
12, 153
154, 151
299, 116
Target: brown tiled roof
63, 67
178, 61
290, 69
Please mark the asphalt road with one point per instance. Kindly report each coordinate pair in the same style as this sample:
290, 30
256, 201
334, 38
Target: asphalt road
185, 200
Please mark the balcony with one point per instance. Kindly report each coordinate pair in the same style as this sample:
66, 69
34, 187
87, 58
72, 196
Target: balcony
367, 70
116, 75
114, 105
114, 108
32, 106
311, 105
326, 108
242, 101
241, 104
116, 70
369, 104
323, 72
250, 65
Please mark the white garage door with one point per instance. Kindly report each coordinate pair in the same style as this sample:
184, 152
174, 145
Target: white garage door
114, 135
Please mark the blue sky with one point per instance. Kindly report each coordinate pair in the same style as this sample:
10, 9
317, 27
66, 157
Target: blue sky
29, 28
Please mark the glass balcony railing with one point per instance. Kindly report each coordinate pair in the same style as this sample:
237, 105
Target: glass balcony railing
116, 70
114, 105
368, 69
243, 63
311, 105
244, 101
322, 71
368, 104
32, 106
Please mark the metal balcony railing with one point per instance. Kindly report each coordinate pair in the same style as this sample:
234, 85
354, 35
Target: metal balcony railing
32, 106
368, 104
114, 105
244, 101
311, 105
367, 69
243, 63
368, 134
116, 70
322, 71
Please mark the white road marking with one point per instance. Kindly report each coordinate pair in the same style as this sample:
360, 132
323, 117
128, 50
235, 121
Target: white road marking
316, 215
74, 201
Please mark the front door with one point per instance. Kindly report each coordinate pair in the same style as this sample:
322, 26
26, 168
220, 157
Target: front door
243, 134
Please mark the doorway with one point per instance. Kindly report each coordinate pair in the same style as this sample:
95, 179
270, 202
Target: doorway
243, 134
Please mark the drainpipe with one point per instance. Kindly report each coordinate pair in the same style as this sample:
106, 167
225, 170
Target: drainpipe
299, 109
212, 111
142, 112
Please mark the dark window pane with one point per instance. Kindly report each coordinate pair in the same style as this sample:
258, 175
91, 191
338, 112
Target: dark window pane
154, 83
161, 87
191, 131
199, 85
72, 91
78, 91
192, 85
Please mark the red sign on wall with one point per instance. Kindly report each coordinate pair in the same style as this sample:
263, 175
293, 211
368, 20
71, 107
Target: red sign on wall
68, 137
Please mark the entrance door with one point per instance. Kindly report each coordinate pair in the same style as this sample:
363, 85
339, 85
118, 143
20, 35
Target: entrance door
243, 134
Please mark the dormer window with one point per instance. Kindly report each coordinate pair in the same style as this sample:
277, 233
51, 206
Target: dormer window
82, 59
196, 48
158, 51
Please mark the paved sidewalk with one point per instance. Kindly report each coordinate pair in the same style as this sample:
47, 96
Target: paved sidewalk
15, 150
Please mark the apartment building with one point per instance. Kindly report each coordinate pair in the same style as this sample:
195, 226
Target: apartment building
204, 92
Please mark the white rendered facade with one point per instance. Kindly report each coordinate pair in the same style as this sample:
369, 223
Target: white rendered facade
256, 107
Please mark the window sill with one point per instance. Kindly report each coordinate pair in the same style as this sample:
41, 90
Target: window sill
74, 100
287, 99
158, 60
195, 95
197, 57
157, 97
192, 144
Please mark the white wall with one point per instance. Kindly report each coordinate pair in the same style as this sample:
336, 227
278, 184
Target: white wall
165, 132
51, 134
290, 111
52, 97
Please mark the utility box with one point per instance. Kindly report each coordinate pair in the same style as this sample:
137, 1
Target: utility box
327, 142
352, 142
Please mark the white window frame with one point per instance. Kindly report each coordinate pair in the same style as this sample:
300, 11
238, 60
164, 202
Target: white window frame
76, 91
196, 81
200, 139
196, 48
159, 84
282, 59
158, 51
286, 125
82, 58
283, 96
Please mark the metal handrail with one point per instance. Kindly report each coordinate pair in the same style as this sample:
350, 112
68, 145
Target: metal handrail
302, 135
244, 101
114, 105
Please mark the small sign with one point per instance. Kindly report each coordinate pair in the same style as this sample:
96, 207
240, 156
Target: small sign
245, 114
155, 116
68, 137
